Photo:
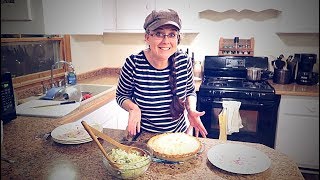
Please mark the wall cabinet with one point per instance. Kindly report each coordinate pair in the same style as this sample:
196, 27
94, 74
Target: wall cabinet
126, 15
109, 15
59, 17
129, 16
298, 130
186, 13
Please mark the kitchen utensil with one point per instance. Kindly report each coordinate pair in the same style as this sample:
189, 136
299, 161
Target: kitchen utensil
254, 74
63, 103
282, 76
90, 130
110, 140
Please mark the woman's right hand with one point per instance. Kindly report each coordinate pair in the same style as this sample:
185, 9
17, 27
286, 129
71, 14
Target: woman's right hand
134, 121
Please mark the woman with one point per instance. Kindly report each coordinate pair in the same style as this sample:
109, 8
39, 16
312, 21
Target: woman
156, 85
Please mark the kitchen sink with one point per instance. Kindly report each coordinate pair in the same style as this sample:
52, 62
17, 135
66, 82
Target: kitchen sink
94, 90
74, 92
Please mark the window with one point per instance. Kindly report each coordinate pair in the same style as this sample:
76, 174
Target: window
30, 58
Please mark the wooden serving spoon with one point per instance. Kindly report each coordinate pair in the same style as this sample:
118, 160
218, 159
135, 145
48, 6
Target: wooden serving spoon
95, 132
89, 130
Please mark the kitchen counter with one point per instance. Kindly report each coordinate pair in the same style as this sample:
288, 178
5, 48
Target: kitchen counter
37, 158
294, 89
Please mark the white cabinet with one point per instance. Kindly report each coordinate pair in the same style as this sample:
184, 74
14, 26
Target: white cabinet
109, 15
129, 16
126, 15
184, 8
299, 17
298, 130
73, 17
59, 17
110, 115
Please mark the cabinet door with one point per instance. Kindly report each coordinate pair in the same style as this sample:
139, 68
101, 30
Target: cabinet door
73, 16
186, 13
109, 15
298, 130
131, 14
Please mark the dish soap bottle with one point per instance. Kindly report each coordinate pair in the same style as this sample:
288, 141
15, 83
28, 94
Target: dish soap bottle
71, 77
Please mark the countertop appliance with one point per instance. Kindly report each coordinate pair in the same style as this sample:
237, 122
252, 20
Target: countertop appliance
305, 76
225, 80
8, 108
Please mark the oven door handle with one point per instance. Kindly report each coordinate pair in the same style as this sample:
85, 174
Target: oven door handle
244, 103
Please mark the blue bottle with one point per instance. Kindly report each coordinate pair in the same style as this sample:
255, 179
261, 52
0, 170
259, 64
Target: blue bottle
72, 78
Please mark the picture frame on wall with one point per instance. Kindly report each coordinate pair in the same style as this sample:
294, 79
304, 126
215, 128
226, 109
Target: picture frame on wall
16, 10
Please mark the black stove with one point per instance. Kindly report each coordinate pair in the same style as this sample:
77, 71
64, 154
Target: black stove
225, 80
225, 77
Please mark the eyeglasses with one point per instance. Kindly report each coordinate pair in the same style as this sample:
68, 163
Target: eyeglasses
160, 36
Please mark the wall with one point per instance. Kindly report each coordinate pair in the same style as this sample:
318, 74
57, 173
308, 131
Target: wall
111, 49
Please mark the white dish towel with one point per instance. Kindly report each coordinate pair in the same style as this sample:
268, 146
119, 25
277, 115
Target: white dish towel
233, 118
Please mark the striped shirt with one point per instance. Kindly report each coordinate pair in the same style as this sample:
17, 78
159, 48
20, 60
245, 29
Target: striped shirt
149, 88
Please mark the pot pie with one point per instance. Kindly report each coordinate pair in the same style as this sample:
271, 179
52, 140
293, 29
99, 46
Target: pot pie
174, 146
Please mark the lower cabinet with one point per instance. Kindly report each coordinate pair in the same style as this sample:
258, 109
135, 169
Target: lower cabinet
298, 130
110, 115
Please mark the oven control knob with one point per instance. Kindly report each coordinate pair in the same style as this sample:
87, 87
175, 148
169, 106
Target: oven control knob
248, 94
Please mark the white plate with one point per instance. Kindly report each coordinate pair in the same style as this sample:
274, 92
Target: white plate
237, 158
72, 142
73, 133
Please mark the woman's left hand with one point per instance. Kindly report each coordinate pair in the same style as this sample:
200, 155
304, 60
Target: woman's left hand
195, 121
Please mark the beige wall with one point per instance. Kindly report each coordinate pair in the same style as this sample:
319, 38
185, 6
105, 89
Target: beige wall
111, 49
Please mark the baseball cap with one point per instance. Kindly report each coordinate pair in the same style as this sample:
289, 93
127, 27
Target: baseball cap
163, 17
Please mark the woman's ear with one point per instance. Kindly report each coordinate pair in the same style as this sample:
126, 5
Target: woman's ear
146, 38
179, 38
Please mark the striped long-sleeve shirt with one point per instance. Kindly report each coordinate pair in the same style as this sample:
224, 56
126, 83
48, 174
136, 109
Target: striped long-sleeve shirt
149, 88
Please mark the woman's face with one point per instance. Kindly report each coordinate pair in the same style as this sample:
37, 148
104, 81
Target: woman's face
163, 41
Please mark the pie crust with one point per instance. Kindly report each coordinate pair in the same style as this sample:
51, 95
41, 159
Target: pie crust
174, 146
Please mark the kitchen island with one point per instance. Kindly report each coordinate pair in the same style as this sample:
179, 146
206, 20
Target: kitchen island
36, 158
39, 158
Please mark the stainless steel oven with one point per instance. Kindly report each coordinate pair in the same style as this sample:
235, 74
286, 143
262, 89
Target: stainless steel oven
225, 80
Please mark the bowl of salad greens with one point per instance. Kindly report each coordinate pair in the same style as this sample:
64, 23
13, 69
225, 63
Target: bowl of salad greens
131, 164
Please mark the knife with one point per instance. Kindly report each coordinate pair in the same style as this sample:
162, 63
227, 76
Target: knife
63, 103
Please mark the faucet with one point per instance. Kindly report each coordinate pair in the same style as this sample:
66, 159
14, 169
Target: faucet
65, 76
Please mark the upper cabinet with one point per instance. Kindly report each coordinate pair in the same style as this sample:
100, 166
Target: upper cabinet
126, 15
299, 17
56, 17
186, 13
129, 16
73, 16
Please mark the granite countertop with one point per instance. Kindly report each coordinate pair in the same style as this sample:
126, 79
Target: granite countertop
294, 89
38, 158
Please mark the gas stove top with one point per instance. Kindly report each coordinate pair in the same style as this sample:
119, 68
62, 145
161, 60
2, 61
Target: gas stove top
225, 77
219, 83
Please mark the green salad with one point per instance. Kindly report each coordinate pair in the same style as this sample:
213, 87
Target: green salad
132, 164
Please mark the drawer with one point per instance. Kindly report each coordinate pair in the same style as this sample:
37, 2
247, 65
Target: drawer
299, 106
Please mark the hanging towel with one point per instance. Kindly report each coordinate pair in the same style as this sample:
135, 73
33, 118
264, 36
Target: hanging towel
232, 116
